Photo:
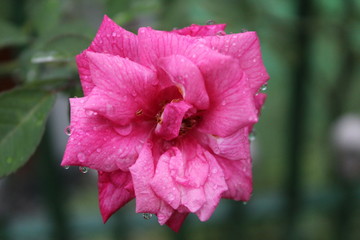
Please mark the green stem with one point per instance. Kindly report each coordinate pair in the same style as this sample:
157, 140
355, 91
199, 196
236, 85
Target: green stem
53, 192
297, 118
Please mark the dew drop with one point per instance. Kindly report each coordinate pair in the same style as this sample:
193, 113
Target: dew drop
67, 130
124, 130
252, 136
66, 167
210, 22
89, 112
81, 157
83, 169
245, 203
98, 150
147, 216
264, 87
214, 170
171, 197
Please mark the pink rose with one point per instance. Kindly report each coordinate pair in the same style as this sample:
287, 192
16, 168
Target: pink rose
166, 117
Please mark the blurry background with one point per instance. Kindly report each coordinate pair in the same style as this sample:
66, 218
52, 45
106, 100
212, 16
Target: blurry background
307, 143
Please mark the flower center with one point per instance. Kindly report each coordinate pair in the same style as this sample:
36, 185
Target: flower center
188, 123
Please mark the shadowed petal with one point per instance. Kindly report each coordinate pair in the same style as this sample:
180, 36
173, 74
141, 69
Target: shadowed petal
115, 190
176, 220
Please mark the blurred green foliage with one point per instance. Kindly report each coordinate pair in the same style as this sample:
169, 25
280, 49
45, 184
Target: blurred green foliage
40, 38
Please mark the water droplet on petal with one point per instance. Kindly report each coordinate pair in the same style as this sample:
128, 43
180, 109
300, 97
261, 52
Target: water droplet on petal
264, 87
210, 22
89, 112
214, 170
98, 150
67, 130
83, 169
147, 216
81, 157
66, 167
252, 136
124, 130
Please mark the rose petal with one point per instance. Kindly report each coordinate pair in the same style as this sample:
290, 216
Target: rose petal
176, 220
142, 172
238, 178
122, 88
171, 118
234, 147
152, 42
201, 30
165, 212
232, 103
213, 188
115, 190
246, 48
187, 77
115, 40
162, 183
84, 73
95, 143
111, 39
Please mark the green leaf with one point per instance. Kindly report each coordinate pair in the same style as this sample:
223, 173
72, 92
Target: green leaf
23, 114
44, 14
10, 35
